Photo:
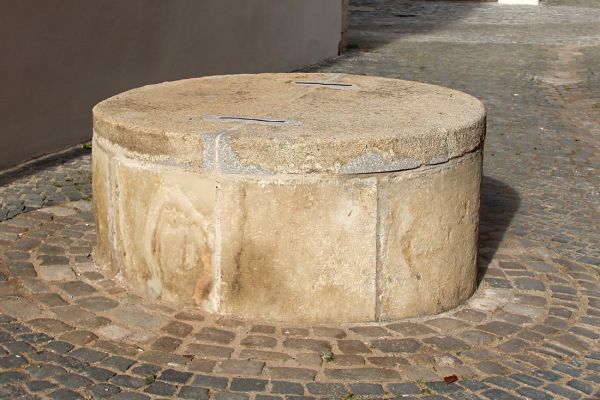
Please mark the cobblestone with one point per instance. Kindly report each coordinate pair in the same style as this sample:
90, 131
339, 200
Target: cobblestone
531, 330
210, 381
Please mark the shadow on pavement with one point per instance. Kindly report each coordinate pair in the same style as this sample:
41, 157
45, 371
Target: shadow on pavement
34, 166
373, 23
499, 204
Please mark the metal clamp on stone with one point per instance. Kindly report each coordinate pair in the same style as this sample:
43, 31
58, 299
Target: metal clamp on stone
308, 198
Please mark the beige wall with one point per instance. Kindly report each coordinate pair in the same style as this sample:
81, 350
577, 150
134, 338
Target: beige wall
60, 57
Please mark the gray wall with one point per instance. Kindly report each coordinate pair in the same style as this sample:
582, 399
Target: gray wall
60, 57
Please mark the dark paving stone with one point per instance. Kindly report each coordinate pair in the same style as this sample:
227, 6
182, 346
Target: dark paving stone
103, 390
584, 332
161, 389
193, 393
209, 351
241, 367
473, 385
188, 316
493, 368
284, 373
12, 377
77, 288
259, 341
409, 329
229, 396
463, 396
88, 355
527, 379
72, 380
53, 260
171, 375
41, 371
98, 374
287, 387
130, 396
127, 381
178, 328
210, 381
497, 394
201, 365
13, 361
36, 337
581, 386
563, 391
39, 385
18, 347
166, 343
530, 284
51, 325
534, 394
353, 347
442, 387
546, 375
498, 283
370, 331
11, 392
117, 363
146, 370
362, 374
266, 329
215, 335
513, 346
64, 394
71, 363
396, 345
446, 343
248, 385
403, 389
320, 346
326, 389
366, 389
97, 303
295, 331
593, 367
79, 337
58, 346
567, 369
502, 382
499, 328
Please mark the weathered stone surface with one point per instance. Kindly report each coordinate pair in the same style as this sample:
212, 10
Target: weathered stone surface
428, 248
189, 184
102, 190
181, 123
163, 227
331, 221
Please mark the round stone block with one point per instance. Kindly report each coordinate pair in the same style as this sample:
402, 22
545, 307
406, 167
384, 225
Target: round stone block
308, 198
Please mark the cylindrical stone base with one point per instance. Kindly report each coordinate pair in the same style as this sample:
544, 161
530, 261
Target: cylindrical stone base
258, 232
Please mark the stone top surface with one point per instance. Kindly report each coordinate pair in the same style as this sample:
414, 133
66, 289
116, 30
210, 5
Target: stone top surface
292, 123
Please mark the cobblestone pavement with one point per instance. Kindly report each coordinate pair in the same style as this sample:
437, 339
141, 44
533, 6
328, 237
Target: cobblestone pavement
532, 329
52, 180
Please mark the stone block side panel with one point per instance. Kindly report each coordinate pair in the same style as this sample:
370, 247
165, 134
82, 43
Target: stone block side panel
164, 231
101, 204
428, 232
298, 250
